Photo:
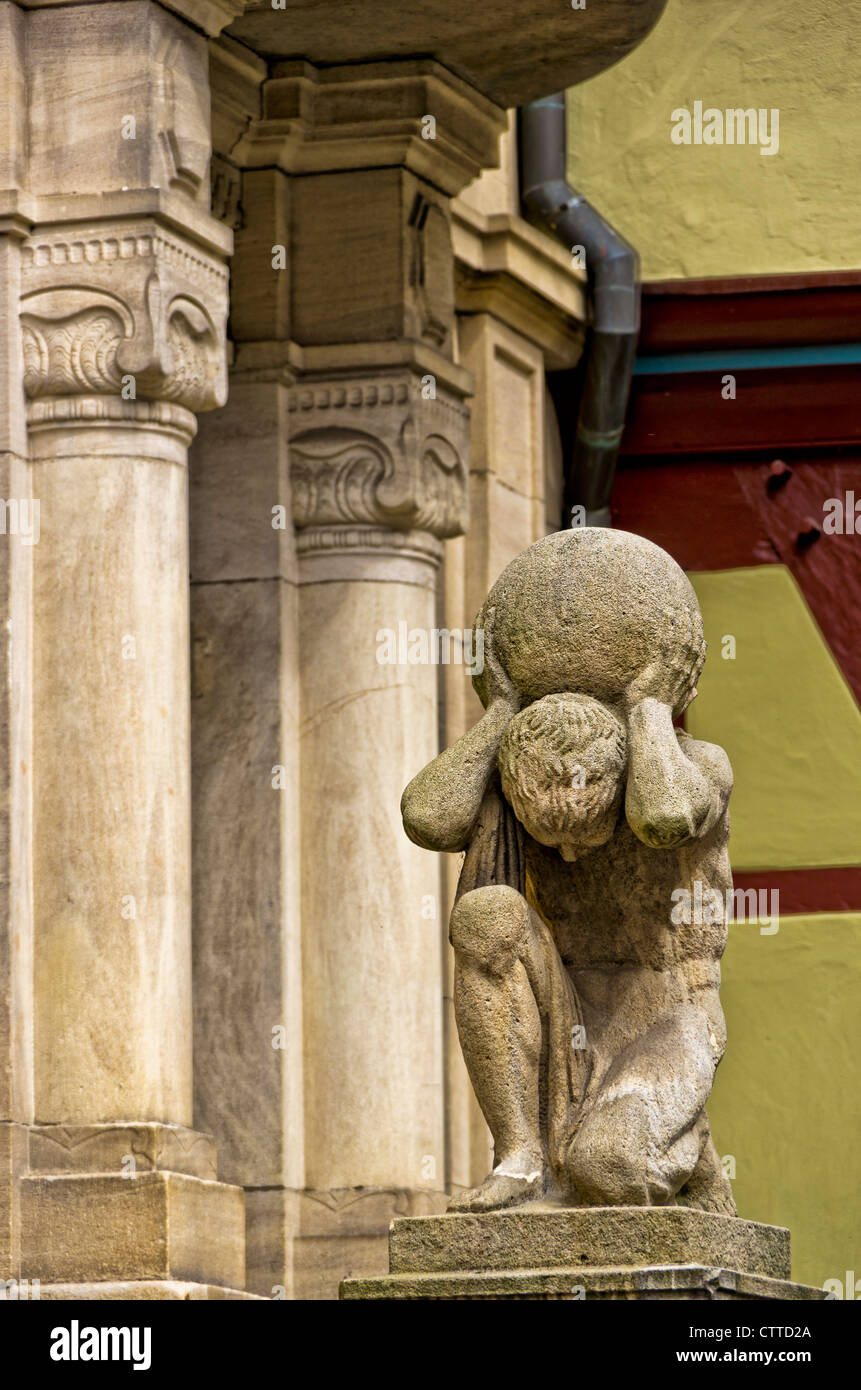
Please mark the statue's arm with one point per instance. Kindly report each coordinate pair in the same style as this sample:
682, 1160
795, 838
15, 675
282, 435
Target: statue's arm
714, 765
441, 805
672, 797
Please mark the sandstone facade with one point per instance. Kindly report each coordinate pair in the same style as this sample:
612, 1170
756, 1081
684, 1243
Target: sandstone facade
264, 325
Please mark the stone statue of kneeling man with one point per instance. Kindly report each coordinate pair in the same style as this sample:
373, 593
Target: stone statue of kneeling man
589, 1019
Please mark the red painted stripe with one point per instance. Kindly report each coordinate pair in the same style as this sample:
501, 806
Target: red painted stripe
749, 311
753, 284
807, 890
775, 408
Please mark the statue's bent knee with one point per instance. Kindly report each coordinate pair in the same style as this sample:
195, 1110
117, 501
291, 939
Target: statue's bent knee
488, 926
607, 1169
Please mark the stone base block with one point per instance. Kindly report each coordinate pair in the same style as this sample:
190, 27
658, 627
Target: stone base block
151, 1290
536, 1237
104, 1227
13, 1162
307, 1241
122, 1148
661, 1281
595, 1252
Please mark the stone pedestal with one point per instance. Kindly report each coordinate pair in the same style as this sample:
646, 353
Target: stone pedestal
594, 1252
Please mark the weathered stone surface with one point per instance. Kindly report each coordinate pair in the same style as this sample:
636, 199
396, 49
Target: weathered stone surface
109, 1148
532, 1238
246, 939
535, 1252
511, 60
131, 58
588, 610
689, 1282
587, 1007
112, 977
301, 1243
380, 450
13, 1162
371, 118
210, 16
80, 1229
364, 723
147, 1291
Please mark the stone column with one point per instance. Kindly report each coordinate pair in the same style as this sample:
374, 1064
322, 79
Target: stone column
378, 478
123, 306
17, 534
347, 410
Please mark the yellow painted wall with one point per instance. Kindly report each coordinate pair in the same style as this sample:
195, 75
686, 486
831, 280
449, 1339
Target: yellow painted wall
787, 718
728, 210
786, 1104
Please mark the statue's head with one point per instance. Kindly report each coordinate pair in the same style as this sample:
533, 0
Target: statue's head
562, 763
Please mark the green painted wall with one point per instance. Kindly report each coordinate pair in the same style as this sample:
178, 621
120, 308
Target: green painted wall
786, 1103
720, 210
787, 718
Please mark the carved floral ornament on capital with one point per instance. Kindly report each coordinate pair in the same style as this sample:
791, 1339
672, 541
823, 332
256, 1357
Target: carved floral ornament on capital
133, 312
345, 476
84, 342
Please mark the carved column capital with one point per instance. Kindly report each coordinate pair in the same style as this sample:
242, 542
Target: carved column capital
124, 317
379, 450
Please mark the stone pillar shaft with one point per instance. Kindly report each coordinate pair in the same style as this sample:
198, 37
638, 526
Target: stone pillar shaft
111, 760
378, 475
16, 553
245, 772
372, 965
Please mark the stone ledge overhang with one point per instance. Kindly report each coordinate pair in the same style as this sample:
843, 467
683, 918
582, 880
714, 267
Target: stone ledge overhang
210, 16
512, 52
508, 268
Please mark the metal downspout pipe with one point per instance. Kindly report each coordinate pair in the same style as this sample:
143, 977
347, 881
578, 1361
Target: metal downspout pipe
613, 267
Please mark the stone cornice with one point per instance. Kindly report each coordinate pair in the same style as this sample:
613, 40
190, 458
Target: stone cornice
331, 362
172, 211
501, 243
210, 16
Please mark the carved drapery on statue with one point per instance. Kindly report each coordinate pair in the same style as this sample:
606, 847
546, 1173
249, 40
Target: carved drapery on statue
495, 851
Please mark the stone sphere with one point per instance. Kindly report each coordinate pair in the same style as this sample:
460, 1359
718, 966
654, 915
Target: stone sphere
588, 610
